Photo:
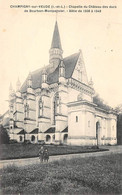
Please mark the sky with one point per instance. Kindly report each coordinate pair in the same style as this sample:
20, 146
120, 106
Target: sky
25, 40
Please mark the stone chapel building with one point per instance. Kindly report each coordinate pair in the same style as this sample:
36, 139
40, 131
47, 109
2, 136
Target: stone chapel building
55, 104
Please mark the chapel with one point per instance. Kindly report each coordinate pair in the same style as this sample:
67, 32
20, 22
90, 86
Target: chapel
55, 104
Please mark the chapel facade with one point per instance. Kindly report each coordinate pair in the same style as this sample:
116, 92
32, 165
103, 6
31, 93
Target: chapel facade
55, 104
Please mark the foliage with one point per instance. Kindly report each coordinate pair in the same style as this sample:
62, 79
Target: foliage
91, 175
4, 137
22, 150
119, 129
119, 109
100, 103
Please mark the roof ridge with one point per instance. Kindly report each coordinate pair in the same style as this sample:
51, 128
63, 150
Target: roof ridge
72, 55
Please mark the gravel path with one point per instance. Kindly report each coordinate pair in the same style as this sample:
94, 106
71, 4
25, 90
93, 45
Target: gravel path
30, 161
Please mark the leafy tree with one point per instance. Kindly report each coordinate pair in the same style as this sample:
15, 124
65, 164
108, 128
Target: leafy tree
100, 103
119, 124
4, 137
119, 109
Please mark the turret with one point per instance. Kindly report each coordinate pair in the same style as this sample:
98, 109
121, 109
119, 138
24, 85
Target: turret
11, 92
61, 72
29, 84
56, 48
44, 78
18, 85
91, 83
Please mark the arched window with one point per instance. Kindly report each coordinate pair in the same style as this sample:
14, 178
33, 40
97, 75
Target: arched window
48, 138
76, 119
20, 138
56, 107
65, 138
41, 107
26, 108
33, 138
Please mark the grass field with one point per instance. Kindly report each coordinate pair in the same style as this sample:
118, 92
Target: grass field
92, 176
14, 151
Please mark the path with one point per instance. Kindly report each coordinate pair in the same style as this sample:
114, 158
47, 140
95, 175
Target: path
31, 161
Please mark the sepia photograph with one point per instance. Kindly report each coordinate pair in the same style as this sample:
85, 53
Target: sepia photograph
61, 97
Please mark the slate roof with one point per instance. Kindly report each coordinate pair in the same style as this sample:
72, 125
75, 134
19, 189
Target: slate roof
53, 77
50, 130
56, 42
35, 131
65, 130
22, 132
1, 116
6, 122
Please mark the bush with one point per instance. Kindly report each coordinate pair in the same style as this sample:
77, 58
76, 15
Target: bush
27, 142
4, 137
13, 141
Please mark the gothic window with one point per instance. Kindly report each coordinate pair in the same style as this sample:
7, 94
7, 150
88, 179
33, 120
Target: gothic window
56, 106
41, 107
26, 110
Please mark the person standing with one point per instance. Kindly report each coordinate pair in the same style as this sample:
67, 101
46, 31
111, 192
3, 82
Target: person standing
41, 153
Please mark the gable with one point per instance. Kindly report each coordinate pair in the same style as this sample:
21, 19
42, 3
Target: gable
79, 72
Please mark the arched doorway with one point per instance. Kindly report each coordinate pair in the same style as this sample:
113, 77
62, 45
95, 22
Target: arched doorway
33, 138
20, 138
65, 138
98, 132
48, 138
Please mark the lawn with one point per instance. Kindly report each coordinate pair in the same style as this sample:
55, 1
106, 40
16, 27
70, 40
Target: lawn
15, 151
93, 176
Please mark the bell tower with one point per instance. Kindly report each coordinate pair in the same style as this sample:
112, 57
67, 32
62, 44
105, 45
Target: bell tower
56, 48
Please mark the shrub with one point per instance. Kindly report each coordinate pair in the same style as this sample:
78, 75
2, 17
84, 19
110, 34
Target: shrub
13, 141
4, 137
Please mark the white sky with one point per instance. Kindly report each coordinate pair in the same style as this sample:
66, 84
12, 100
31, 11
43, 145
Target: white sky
25, 40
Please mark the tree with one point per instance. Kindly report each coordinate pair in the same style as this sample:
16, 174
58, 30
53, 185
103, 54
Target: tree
119, 129
4, 137
100, 103
119, 124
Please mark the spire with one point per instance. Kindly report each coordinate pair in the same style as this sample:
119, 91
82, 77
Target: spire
56, 42
91, 82
18, 84
56, 48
